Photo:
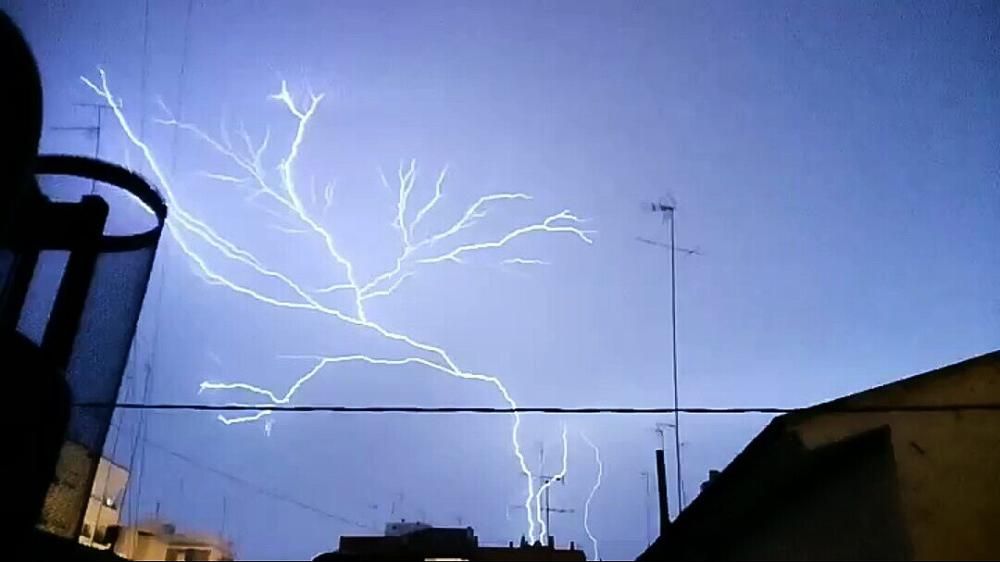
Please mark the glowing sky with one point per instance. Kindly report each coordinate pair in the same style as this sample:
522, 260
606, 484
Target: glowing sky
837, 166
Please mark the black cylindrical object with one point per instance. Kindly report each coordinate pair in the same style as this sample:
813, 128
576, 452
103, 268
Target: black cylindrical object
95, 308
73, 274
661, 491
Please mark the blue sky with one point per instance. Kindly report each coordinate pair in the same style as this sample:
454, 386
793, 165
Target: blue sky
837, 165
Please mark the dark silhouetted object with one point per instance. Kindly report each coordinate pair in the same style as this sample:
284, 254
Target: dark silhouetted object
828, 483
26, 372
21, 104
70, 295
96, 305
426, 543
712, 475
661, 491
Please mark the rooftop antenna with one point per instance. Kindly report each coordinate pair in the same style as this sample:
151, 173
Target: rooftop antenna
649, 530
396, 501
688, 251
661, 429
222, 532
94, 129
666, 207
547, 508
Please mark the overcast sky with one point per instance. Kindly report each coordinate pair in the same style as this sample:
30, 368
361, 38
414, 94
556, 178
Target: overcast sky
836, 164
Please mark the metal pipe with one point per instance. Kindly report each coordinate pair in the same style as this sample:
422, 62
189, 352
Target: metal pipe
673, 333
661, 491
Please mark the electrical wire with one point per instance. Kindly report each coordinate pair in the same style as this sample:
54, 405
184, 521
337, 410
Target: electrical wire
137, 460
825, 409
274, 494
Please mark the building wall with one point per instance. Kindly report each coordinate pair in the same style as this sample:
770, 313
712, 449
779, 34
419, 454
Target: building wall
135, 546
68, 493
106, 497
948, 463
846, 508
139, 544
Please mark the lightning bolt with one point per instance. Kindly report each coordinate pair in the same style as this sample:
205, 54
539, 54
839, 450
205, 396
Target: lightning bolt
282, 197
524, 261
590, 498
543, 531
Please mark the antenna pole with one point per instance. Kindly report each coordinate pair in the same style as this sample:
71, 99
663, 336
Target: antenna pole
649, 531
673, 333
668, 214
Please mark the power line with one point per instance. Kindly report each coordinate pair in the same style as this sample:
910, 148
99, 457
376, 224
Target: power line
181, 82
832, 409
130, 359
144, 76
138, 453
256, 488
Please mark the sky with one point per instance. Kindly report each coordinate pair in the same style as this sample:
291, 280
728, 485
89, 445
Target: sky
837, 165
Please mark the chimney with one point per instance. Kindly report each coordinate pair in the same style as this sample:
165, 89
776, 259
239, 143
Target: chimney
661, 488
712, 475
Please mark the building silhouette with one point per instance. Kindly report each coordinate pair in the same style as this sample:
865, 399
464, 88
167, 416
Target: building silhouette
876, 475
419, 541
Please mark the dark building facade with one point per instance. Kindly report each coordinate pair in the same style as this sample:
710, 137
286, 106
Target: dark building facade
893, 473
443, 543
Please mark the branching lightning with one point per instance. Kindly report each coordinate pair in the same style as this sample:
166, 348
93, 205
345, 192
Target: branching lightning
282, 197
590, 498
